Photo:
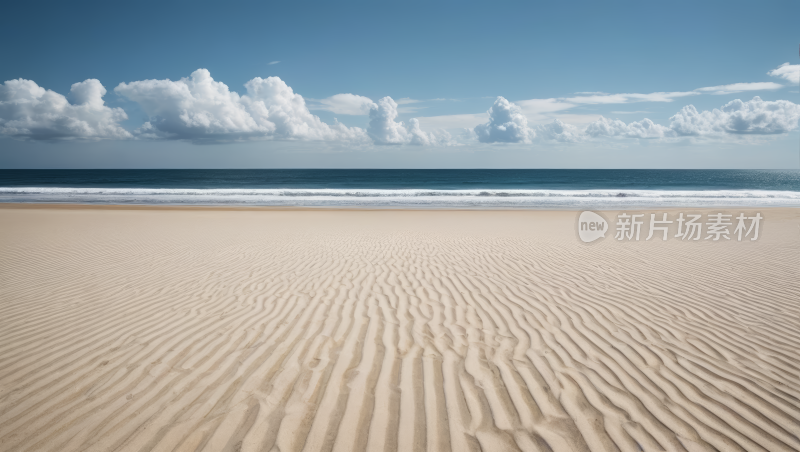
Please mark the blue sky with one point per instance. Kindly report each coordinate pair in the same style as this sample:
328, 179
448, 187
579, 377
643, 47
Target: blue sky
558, 67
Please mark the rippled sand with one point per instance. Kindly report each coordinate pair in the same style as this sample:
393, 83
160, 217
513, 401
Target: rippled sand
222, 330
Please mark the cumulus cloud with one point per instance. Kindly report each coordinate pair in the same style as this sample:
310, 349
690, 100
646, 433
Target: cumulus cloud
383, 129
645, 128
786, 71
736, 117
553, 110
272, 100
755, 117
199, 108
559, 131
506, 124
382, 125
541, 110
193, 107
347, 104
29, 111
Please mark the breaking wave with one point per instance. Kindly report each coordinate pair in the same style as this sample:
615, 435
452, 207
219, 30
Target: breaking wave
405, 198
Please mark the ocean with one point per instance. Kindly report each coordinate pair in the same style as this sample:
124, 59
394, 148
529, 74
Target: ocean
384, 188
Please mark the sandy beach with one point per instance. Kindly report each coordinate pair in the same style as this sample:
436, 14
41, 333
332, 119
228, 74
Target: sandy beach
163, 329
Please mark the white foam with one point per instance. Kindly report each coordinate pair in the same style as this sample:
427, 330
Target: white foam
481, 198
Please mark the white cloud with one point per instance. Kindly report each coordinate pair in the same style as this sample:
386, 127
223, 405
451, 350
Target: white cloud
645, 128
559, 131
201, 109
786, 71
407, 100
545, 110
193, 107
383, 129
407, 105
274, 62
549, 114
418, 137
273, 100
347, 104
600, 98
542, 110
739, 87
625, 98
29, 111
198, 108
756, 116
506, 124
382, 125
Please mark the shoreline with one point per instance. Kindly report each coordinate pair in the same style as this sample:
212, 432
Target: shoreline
88, 206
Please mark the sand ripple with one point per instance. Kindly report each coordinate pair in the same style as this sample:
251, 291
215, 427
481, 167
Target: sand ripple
337, 331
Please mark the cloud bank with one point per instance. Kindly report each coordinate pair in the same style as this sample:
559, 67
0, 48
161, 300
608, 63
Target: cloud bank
198, 108
645, 128
541, 110
755, 117
28, 111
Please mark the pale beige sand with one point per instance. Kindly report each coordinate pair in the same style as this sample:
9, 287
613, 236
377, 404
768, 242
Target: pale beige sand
220, 330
